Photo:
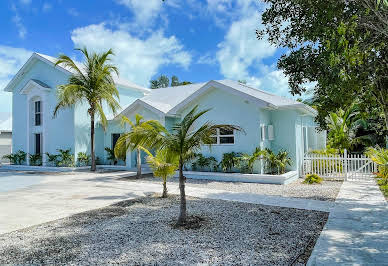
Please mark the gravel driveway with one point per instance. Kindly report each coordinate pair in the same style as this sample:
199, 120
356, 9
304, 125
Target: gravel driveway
141, 232
327, 191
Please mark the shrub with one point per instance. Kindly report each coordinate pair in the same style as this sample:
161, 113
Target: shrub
230, 160
66, 158
111, 155
83, 159
17, 158
52, 159
202, 163
312, 179
35, 159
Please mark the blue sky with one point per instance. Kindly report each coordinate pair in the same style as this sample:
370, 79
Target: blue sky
197, 40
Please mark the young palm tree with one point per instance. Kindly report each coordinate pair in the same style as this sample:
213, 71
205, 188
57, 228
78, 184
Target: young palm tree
91, 83
134, 139
184, 141
163, 164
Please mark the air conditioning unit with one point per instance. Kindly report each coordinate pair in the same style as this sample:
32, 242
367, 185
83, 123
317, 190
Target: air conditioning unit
271, 134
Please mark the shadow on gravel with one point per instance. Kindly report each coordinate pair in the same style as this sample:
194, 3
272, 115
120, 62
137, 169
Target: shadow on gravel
139, 232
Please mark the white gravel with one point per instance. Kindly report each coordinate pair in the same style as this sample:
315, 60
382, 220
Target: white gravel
326, 191
138, 232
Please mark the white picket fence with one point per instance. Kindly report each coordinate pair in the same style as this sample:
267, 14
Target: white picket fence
344, 167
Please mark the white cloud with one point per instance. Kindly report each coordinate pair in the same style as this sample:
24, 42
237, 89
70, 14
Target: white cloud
207, 59
46, 7
17, 20
25, 2
241, 54
241, 50
138, 59
73, 12
144, 11
11, 60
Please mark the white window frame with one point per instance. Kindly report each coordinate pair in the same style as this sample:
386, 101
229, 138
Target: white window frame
218, 137
38, 113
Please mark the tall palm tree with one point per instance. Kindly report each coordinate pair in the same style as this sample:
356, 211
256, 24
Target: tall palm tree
184, 141
93, 83
163, 164
134, 139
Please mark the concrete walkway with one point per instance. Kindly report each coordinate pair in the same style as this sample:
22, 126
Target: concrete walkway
357, 230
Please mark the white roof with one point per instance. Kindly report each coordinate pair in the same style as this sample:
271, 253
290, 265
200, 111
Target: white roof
52, 60
168, 100
6, 125
118, 81
164, 99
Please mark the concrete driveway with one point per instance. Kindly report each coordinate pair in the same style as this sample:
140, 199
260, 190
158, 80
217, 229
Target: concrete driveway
28, 199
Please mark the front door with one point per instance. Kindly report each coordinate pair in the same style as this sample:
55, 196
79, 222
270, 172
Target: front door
38, 143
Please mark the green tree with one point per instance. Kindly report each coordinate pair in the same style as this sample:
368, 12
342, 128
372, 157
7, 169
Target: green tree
163, 82
163, 164
184, 141
135, 139
340, 45
91, 83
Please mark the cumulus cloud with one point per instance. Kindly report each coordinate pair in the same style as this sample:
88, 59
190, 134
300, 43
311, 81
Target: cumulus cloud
17, 20
241, 50
241, 55
145, 12
138, 59
11, 60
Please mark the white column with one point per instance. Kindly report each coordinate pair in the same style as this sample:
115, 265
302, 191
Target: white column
128, 161
28, 131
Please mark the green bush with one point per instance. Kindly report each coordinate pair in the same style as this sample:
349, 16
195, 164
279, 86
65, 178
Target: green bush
203, 163
66, 158
35, 159
17, 158
312, 179
83, 159
52, 159
230, 160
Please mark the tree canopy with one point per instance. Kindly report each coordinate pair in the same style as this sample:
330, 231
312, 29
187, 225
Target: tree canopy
163, 82
339, 45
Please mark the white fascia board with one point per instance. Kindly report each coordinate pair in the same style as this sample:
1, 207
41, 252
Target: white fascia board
22, 70
215, 84
137, 103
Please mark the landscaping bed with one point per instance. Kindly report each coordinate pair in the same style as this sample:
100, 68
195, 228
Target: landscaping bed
142, 232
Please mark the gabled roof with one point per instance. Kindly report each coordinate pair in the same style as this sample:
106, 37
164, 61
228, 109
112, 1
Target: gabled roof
169, 101
52, 60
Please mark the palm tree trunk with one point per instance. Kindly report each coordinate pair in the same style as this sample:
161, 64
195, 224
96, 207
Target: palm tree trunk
138, 163
182, 214
164, 195
93, 167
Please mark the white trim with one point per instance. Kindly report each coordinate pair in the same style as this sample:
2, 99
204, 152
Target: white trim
136, 104
215, 84
36, 56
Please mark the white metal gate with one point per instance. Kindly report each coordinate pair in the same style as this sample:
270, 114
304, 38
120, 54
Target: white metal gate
345, 166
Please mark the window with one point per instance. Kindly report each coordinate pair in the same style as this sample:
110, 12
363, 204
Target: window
38, 144
223, 136
38, 114
115, 138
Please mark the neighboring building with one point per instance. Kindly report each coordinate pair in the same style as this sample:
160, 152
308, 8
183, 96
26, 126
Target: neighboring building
269, 121
5, 139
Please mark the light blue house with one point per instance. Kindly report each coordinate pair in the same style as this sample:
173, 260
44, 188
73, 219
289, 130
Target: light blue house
269, 121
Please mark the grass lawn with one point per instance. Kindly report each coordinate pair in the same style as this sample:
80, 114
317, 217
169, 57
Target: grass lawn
142, 232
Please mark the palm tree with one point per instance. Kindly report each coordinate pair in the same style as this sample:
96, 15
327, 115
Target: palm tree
184, 141
282, 161
163, 164
134, 139
92, 83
